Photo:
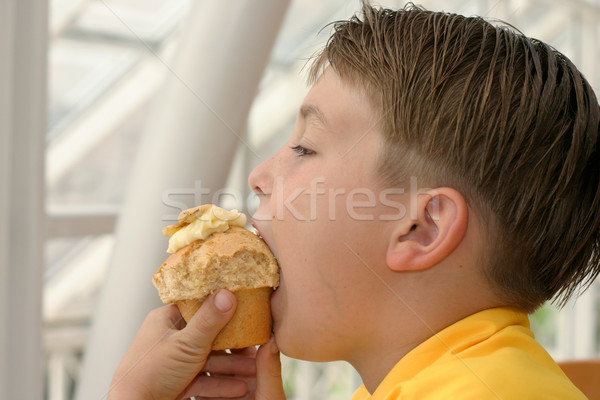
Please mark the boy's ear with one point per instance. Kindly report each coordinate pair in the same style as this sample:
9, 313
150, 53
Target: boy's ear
434, 230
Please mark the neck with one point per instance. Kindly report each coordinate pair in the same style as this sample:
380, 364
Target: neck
373, 369
410, 325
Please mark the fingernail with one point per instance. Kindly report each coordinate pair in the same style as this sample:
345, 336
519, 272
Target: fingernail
223, 301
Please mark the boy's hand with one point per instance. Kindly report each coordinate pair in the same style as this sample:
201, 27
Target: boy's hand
168, 360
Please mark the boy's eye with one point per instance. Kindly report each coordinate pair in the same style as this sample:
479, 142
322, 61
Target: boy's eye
302, 151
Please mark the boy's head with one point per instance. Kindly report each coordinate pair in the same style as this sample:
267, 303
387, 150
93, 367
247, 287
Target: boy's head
506, 120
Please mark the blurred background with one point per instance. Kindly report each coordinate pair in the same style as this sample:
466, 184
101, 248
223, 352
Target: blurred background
135, 109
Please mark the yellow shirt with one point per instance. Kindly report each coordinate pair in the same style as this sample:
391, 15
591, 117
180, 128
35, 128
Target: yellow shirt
488, 355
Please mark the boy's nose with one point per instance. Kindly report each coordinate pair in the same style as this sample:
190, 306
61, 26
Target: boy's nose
261, 178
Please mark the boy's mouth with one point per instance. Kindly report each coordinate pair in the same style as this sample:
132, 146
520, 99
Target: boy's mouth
257, 232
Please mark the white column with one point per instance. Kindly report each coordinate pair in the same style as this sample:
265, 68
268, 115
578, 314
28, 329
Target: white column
197, 124
576, 337
578, 320
23, 44
586, 317
586, 306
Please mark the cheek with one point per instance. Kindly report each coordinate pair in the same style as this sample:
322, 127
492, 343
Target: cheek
314, 219
315, 224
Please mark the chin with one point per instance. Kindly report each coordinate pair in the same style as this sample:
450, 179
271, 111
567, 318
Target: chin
294, 346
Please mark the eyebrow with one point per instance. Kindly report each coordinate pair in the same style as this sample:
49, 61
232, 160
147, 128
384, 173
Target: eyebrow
311, 110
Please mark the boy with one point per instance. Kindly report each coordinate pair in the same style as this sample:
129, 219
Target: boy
441, 182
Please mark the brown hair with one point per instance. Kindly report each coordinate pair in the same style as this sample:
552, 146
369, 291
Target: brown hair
503, 118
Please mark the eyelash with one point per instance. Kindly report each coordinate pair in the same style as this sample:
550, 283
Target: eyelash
302, 151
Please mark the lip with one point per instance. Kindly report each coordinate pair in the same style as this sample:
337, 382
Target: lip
257, 230
259, 233
266, 240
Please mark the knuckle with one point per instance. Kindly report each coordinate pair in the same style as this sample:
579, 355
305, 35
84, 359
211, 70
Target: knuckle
206, 323
191, 351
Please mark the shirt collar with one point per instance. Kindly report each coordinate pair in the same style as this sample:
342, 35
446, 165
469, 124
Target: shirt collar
450, 341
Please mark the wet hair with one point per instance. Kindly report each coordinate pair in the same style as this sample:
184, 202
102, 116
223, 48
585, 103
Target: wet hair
505, 119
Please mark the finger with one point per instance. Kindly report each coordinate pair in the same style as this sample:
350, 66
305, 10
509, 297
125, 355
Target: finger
174, 316
157, 326
231, 364
208, 321
162, 318
215, 387
269, 384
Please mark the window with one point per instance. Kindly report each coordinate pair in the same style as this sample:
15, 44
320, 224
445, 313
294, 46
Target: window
108, 60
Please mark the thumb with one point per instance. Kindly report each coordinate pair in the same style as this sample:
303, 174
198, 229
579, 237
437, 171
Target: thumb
211, 317
269, 384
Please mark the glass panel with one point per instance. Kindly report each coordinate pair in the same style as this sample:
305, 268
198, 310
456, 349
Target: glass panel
79, 73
